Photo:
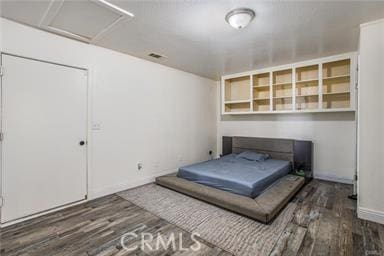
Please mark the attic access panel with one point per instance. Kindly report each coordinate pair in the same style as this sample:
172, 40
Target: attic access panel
85, 20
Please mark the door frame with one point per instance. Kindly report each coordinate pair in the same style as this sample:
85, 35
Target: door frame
88, 136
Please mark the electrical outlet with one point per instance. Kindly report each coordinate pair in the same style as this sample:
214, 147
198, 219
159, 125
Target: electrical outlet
139, 166
96, 126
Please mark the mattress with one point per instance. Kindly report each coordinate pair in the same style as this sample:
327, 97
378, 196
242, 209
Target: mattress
236, 175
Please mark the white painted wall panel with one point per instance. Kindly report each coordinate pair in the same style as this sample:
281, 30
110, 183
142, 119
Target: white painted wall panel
371, 120
333, 135
147, 112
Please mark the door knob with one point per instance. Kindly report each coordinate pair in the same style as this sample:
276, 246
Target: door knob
81, 143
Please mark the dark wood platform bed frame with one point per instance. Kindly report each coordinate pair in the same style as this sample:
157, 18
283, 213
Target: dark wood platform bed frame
269, 203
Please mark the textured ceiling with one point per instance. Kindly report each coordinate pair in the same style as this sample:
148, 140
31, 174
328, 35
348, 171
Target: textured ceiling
195, 37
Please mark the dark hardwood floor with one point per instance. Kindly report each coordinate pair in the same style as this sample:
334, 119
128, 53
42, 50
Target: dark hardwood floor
325, 223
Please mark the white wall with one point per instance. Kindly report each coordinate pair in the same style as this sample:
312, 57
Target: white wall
148, 113
371, 122
333, 135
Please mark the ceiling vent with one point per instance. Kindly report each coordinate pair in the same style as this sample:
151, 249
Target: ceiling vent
86, 20
156, 56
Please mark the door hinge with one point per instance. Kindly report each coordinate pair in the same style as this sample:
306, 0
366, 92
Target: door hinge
1, 201
1, 136
1, 71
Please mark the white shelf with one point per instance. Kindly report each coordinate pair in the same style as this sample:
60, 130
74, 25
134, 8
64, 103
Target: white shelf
261, 98
336, 77
261, 86
334, 93
282, 84
236, 101
308, 95
274, 112
283, 97
307, 81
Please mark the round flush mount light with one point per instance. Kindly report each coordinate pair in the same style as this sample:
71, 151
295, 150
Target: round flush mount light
240, 18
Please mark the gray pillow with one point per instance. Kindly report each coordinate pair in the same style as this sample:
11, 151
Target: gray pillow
253, 156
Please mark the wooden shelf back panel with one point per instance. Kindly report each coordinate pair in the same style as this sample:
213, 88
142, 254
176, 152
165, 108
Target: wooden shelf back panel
283, 76
336, 68
334, 101
282, 90
341, 84
237, 88
261, 79
307, 88
261, 105
307, 73
261, 92
238, 107
282, 104
307, 102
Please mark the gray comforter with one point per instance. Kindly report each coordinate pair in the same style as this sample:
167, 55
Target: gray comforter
236, 175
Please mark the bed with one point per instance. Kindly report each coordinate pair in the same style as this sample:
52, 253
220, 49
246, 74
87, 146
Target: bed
256, 189
250, 178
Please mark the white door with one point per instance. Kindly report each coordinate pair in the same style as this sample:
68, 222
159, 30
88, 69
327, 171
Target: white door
44, 119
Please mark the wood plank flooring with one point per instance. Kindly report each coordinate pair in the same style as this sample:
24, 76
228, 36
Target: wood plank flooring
324, 223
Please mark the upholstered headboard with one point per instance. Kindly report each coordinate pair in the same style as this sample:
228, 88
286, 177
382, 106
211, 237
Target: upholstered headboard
276, 148
298, 152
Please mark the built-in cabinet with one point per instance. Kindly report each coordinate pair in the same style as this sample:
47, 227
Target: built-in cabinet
321, 85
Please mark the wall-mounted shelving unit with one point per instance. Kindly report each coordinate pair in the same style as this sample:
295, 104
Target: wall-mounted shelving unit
336, 84
307, 87
261, 92
321, 85
282, 90
238, 94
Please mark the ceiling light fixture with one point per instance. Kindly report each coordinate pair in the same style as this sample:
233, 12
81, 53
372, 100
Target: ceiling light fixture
240, 18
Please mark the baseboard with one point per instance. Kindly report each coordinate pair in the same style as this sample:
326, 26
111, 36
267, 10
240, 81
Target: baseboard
91, 196
371, 215
333, 178
126, 185
13, 222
